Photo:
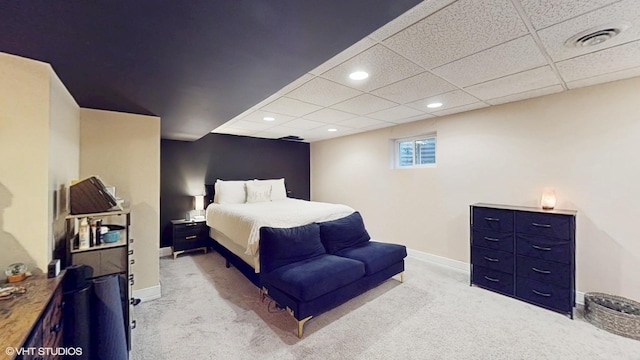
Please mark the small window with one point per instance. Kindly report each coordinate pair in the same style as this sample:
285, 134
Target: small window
415, 152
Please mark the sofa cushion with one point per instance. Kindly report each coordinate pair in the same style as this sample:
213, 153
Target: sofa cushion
283, 246
308, 279
375, 255
343, 233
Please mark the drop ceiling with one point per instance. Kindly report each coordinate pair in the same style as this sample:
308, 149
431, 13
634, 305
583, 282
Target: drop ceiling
223, 66
465, 54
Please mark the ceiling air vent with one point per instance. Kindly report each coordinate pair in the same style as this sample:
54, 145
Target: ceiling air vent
596, 35
291, 138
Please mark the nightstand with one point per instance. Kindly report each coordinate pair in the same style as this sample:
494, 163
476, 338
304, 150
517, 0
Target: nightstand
189, 235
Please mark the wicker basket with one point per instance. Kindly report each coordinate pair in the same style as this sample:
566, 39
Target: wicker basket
613, 313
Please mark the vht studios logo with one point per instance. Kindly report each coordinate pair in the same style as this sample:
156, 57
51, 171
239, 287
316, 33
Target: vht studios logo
44, 351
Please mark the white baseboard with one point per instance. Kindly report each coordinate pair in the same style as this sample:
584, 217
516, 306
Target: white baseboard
461, 266
166, 251
148, 294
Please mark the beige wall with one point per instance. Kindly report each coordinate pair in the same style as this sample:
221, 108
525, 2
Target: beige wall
583, 143
124, 151
33, 104
64, 156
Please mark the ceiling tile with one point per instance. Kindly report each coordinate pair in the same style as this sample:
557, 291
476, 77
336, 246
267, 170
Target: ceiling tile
359, 122
364, 104
414, 88
396, 113
291, 107
328, 115
323, 92
459, 109
527, 95
508, 58
554, 37
381, 125
323, 132
259, 115
412, 119
234, 131
548, 12
250, 125
410, 17
602, 62
618, 75
283, 131
448, 100
345, 55
513, 84
383, 66
461, 29
303, 124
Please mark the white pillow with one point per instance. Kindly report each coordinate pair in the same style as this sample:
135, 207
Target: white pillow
230, 192
278, 190
258, 192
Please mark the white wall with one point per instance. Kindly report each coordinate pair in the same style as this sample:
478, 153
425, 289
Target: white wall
124, 150
583, 143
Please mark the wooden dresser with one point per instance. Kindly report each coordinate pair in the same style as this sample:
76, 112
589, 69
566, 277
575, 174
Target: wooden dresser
32, 320
526, 253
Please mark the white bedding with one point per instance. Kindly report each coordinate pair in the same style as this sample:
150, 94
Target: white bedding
242, 222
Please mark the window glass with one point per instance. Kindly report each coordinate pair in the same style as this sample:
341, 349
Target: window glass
416, 151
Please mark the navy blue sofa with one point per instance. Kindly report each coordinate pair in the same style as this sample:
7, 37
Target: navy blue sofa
312, 268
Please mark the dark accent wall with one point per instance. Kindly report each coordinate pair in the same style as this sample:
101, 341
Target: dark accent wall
187, 166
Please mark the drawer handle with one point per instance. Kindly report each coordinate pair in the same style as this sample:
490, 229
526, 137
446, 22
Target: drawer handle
133, 261
491, 239
130, 252
546, 226
133, 324
190, 237
490, 259
134, 301
131, 240
540, 293
55, 328
541, 271
541, 248
491, 219
192, 224
491, 279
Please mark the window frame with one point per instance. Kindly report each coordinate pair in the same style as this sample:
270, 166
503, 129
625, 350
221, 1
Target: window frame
413, 139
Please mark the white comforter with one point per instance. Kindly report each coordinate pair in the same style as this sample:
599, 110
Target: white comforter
242, 222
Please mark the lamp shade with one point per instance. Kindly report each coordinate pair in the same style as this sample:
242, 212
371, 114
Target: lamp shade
199, 202
548, 199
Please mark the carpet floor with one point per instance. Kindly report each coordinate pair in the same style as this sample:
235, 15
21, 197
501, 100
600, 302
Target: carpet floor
210, 312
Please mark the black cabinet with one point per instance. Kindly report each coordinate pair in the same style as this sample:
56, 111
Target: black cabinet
526, 253
189, 235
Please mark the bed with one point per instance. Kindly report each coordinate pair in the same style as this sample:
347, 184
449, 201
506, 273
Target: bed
239, 208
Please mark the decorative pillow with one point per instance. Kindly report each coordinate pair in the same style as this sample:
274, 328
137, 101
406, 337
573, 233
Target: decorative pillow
278, 190
343, 233
257, 192
230, 192
283, 246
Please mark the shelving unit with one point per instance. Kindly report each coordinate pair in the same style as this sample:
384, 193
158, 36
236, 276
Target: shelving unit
107, 258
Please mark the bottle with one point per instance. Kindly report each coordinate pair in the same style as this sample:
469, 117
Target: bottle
83, 234
92, 234
97, 240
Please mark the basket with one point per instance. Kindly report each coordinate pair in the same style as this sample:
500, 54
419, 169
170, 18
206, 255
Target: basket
613, 313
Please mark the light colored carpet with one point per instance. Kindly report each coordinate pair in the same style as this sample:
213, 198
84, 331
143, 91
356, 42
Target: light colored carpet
210, 312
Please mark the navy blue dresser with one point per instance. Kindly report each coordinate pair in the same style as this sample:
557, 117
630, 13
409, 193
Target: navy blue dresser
526, 253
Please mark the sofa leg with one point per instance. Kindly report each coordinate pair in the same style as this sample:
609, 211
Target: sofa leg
402, 277
301, 326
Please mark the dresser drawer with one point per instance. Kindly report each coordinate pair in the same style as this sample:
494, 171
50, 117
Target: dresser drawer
494, 219
544, 248
492, 239
494, 280
492, 259
545, 271
548, 295
52, 325
546, 225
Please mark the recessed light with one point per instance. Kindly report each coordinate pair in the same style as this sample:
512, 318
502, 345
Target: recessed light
434, 105
332, 129
358, 75
268, 118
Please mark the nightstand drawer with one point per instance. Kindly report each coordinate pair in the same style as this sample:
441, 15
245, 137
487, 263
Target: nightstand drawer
544, 248
494, 219
492, 239
545, 271
191, 228
547, 225
492, 259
